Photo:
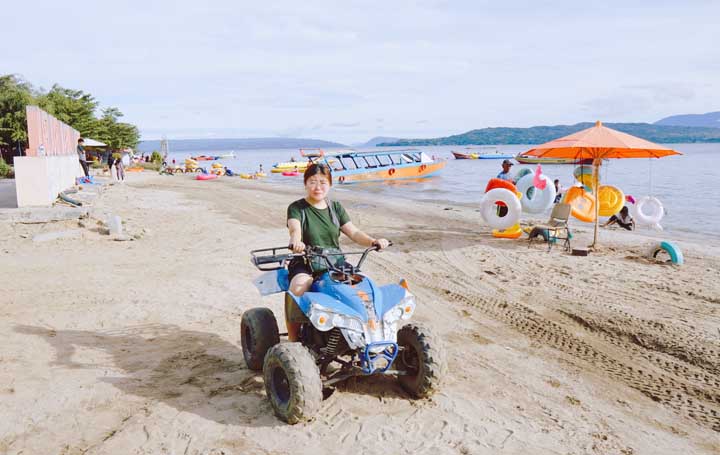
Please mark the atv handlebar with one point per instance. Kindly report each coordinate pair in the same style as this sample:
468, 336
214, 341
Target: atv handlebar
279, 260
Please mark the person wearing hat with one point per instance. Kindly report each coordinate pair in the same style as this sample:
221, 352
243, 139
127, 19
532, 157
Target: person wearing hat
505, 174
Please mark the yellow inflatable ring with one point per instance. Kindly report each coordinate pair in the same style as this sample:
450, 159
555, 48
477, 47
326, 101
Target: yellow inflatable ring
611, 200
512, 232
582, 204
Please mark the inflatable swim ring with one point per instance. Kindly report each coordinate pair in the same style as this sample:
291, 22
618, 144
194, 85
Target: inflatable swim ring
522, 173
676, 256
290, 173
246, 176
582, 204
500, 183
206, 177
489, 212
648, 211
611, 200
260, 174
583, 174
512, 232
535, 200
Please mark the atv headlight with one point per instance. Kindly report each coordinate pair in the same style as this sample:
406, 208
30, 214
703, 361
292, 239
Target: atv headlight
325, 319
403, 310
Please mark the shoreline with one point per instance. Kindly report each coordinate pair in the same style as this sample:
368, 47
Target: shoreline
138, 341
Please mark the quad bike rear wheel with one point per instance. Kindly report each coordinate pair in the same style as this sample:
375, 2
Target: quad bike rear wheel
258, 333
422, 358
292, 382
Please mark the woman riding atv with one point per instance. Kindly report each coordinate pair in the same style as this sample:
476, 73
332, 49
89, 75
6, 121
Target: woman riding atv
315, 221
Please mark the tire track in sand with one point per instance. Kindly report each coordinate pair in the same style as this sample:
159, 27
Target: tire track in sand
697, 403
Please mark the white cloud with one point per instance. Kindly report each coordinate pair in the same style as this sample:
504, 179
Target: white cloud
251, 69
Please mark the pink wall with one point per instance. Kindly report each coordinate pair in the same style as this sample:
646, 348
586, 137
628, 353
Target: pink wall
56, 138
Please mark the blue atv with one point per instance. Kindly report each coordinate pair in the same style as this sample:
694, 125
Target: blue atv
349, 327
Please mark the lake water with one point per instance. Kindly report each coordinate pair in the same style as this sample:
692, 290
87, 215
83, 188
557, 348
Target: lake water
684, 184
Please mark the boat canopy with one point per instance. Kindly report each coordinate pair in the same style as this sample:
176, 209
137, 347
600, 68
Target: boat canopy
351, 159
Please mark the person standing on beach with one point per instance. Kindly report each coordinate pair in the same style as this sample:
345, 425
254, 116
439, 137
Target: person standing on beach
82, 157
558, 191
316, 221
110, 162
119, 168
505, 174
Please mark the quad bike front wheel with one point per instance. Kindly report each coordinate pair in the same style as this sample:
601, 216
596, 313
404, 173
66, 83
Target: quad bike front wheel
292, 382
422, 359
258, 333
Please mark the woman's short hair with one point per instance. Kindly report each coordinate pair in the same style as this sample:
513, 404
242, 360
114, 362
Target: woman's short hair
317, 168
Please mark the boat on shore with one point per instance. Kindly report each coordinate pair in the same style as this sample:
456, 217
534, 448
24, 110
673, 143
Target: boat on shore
203, 158
354, 167
523, 159
212, 157
312, 156
289, 166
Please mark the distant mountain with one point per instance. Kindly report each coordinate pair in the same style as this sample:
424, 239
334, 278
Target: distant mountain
541, 134
709, 120
209, 145
379, 140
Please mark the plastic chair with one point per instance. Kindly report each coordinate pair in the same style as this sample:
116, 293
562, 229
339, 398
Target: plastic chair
556, 229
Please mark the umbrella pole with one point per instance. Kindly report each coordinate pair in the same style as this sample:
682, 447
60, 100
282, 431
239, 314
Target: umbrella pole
596, 186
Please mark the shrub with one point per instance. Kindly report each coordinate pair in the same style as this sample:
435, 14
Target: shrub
6, 171
156, 157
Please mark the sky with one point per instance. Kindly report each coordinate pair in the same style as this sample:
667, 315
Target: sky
350, 70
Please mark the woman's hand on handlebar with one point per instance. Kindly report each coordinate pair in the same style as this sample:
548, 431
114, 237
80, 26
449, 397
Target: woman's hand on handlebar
381, 244
297, 247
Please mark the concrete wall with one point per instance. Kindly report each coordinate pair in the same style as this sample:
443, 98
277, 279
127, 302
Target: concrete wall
48, 136
51, 162
39, 179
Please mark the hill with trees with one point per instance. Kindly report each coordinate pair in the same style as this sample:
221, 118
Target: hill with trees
73, 107
710, 120
541, 134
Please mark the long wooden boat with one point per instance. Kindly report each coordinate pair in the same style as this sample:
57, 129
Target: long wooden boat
523, 159
465, 156
482, 153
375, 166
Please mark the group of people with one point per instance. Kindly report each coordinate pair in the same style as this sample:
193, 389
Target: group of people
622, 219
111, 157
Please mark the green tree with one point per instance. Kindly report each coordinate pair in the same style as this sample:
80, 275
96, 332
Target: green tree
116, 134
15, 94
74, 107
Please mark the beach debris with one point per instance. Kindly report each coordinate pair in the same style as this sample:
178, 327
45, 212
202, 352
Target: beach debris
38, 215
115, 225
57, 235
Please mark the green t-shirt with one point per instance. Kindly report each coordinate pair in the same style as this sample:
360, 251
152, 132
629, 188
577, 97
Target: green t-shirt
319, 229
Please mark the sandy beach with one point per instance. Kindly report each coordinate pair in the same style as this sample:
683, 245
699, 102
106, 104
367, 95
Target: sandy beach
133, 347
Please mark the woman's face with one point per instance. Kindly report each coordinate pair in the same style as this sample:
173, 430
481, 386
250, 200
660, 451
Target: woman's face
317, 187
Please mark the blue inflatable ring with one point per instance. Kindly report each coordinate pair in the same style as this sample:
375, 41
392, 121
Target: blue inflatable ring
676, 256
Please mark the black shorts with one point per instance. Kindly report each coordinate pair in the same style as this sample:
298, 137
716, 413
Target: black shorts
298, 266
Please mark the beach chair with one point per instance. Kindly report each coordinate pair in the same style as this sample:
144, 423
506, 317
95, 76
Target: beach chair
556, 229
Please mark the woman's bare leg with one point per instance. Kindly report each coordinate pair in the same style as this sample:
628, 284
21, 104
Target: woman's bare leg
298, 286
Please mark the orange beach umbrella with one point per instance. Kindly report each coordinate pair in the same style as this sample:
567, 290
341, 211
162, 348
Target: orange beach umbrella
599, 143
